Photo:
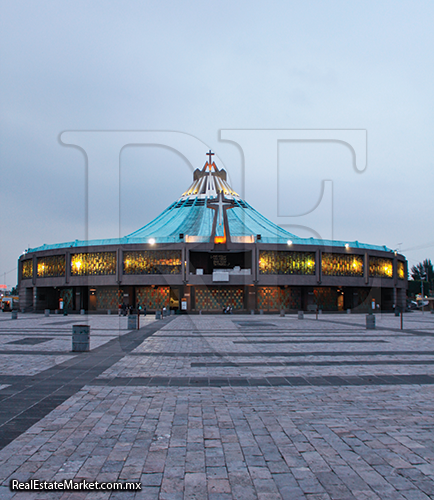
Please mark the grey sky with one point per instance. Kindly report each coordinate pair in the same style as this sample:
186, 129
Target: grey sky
199, 67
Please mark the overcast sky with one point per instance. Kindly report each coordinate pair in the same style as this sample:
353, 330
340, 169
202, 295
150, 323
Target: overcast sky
202, 67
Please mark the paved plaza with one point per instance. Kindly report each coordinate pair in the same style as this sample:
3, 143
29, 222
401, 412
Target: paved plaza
221, 407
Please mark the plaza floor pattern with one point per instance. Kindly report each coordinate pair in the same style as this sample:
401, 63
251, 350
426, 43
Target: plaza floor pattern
221, 407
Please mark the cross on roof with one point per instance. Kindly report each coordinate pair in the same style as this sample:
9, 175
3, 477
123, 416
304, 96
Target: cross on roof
210, 153
221, 203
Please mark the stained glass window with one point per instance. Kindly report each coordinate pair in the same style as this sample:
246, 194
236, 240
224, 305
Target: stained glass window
290, 298
275, 298
52, 266
67, 294
275, 262
218, 298
27, 269
153, 297
93, 264
337, 264
380, 267
109, 297
326, 298
153, 262
401, 270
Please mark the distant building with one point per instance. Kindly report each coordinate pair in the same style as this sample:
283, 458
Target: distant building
207, 250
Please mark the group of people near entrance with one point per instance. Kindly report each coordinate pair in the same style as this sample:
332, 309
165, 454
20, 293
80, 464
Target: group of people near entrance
227, 310
125, 310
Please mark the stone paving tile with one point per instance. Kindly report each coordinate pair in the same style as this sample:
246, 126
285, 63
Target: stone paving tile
254, 442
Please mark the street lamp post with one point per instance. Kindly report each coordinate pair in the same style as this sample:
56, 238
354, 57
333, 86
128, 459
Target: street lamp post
422, 276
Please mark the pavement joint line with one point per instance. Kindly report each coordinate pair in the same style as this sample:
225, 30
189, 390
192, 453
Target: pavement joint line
308, 341
315, 363
278, 354
392, 379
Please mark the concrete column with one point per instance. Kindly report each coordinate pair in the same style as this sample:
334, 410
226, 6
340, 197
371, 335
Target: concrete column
401, 298
119, 265
366, 268
255, 265
318, 266
251, 297
395, 270
67, 267
183, 267
35, 270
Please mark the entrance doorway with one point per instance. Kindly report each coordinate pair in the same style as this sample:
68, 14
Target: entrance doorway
92, 300
174, 298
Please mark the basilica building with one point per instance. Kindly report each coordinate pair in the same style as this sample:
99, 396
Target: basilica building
208, 250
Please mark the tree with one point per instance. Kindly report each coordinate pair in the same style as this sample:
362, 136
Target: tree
423, 271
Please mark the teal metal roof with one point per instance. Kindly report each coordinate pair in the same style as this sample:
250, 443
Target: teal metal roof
191, 217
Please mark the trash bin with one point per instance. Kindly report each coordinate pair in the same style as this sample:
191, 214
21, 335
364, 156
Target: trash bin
300, 315
80, 338
14, 314
132, 322
157, 314
82, 311
282, 313
397, 311
370, 322
47, 312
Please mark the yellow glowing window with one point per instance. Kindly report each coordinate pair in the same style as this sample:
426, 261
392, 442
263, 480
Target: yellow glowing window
93, 264
51, 266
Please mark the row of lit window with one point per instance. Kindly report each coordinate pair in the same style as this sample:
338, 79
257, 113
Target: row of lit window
170, 262
275, 262
333, 264
152, 262
104, 263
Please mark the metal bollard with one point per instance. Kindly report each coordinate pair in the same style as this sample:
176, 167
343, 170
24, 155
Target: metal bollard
132, 322
80, 338
370, 322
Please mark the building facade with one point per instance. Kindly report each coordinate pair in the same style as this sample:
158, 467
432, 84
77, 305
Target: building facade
208, 250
